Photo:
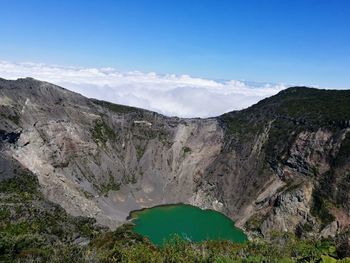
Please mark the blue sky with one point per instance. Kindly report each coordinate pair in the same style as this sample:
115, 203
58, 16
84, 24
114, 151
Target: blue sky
294, 42
193, 58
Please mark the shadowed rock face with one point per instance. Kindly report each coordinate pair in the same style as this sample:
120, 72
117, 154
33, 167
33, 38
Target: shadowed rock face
263, 166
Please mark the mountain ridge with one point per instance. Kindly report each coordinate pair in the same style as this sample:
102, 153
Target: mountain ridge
265, 166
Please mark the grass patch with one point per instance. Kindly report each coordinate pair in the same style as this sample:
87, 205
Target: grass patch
186, 150
110, 186
101, 133
140, 151
15, 118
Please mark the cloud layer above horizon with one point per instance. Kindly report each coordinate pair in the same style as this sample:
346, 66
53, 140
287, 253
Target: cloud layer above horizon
172, 95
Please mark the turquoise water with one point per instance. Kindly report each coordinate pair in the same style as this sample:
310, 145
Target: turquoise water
161, 223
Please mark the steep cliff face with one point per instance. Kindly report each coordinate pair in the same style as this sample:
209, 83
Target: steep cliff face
282, 164
292, 171
103, 160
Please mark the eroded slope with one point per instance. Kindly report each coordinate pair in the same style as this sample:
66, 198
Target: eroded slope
282, 164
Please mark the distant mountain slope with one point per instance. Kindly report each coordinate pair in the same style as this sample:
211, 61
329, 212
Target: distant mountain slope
282, 164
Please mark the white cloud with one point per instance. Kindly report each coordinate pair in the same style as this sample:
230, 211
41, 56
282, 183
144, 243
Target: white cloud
179, 95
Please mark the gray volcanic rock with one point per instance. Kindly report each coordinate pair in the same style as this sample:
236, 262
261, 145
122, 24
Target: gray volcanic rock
264, 167
102, 161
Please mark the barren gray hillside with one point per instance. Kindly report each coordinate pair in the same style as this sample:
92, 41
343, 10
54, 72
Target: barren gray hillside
282, 164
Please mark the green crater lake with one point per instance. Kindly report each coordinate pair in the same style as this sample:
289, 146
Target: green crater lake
161, 223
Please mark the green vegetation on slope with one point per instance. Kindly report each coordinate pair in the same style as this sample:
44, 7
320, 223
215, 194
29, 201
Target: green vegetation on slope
124, 245
35, 230
333, 186
140, 151
14, 117
186, 150
344, 152
117, 108
313, 106
286, 114
101, 132
302, 106
111, 185
283, 117
322, 201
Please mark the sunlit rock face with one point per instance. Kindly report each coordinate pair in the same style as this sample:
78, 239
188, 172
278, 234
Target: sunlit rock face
265, 167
